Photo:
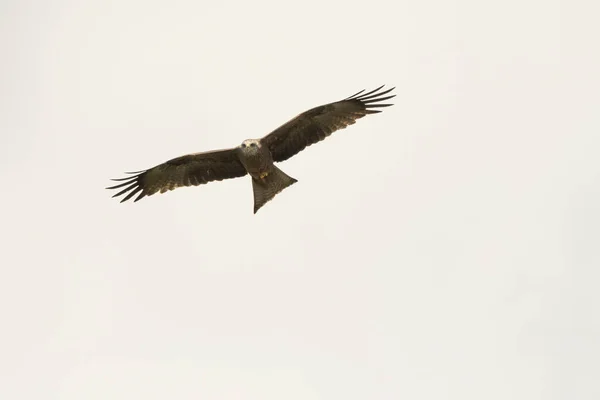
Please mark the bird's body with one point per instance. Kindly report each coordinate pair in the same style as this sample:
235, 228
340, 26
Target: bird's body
255, 157
267, 179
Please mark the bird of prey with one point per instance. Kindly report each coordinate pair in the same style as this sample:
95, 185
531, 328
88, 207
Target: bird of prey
255, 156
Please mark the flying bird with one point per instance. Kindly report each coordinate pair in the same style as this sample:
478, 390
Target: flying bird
255, 157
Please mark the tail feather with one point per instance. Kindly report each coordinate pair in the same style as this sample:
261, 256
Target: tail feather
266, 188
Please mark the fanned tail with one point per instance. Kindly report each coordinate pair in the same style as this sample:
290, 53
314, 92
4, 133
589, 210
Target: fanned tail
266, 188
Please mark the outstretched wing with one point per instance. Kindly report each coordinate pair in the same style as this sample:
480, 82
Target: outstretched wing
317, 123
189, 170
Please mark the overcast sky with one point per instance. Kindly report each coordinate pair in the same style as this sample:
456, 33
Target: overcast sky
447, 248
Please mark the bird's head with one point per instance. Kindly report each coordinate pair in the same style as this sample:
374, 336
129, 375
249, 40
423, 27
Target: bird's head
250, 144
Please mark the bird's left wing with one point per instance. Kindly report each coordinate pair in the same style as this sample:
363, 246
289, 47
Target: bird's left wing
317, 123
189, 170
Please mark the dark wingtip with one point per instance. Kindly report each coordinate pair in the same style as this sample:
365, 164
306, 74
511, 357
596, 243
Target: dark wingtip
354, 95
140, 196
130, 185
365, 95
381, 105
374, 98
371, 95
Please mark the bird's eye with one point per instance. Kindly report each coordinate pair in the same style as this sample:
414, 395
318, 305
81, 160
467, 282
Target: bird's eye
253, 144
243, 145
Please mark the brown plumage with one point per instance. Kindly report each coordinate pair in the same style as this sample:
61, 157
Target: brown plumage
255, 157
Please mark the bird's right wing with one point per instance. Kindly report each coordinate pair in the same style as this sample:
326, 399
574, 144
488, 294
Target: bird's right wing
189, 170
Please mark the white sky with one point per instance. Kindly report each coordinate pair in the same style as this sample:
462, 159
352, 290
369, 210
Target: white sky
447, 248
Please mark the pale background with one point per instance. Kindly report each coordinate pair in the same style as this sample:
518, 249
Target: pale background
447, 248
